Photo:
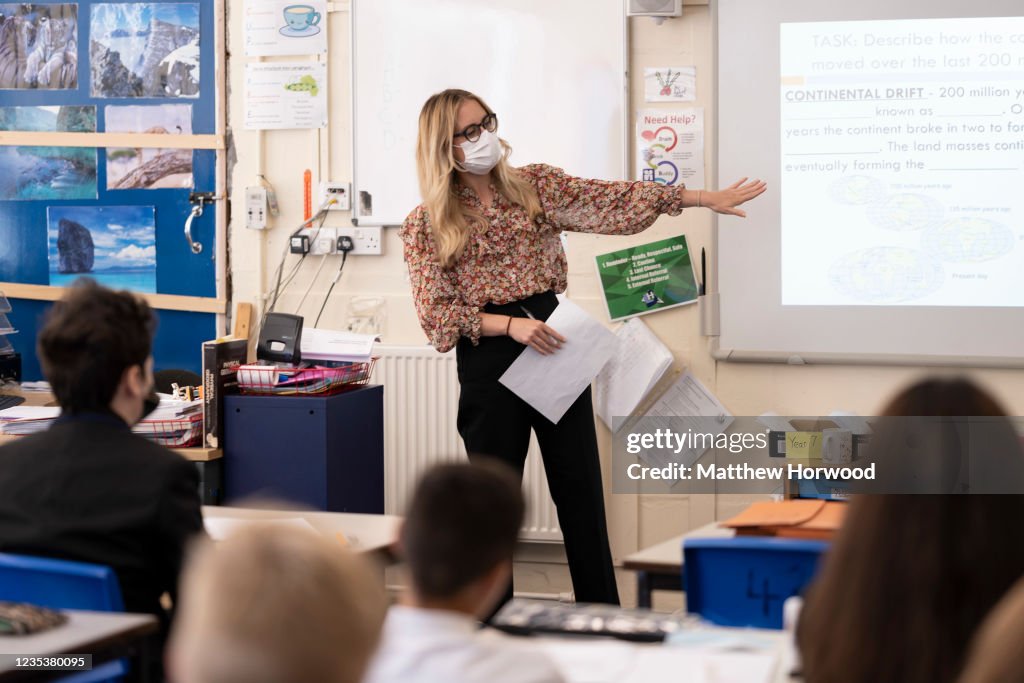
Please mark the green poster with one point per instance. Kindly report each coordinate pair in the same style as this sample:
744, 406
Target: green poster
647, 278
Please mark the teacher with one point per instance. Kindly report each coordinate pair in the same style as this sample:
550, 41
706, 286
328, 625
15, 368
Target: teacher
485, 261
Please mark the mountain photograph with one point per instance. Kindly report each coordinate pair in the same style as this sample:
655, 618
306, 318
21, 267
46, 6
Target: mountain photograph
145, 50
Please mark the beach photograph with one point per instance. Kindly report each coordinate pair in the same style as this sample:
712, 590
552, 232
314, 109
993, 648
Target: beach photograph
114, 245
48, 173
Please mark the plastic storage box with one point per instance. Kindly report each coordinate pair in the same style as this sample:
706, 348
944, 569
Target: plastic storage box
743, 581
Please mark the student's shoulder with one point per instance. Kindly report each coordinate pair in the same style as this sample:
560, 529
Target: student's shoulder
158, 457
524, 656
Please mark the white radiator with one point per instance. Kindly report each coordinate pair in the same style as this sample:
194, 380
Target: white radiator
421, 398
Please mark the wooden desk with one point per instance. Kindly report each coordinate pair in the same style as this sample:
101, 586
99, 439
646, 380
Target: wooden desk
196, 454
372, 534
660, 566
102, 634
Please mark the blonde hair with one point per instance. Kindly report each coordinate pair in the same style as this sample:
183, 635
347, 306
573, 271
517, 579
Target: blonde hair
451, 221
276, 605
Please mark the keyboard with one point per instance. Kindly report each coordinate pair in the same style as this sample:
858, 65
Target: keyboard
7, 401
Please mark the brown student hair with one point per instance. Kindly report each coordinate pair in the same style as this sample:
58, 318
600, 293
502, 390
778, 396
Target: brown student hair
910, 577
90, 337
463, 521
996, 655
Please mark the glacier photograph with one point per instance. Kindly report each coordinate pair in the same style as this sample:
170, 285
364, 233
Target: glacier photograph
38, 46
144, 50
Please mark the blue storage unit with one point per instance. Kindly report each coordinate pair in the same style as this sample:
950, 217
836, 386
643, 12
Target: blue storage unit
744, 581
324, 453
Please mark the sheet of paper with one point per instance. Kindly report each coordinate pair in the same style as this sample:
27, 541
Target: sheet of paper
686, 405
336, 345
670, 84
591, 660
551, 384
283, 27
219, 528
284, 95
25, 412
639, 362
604, 661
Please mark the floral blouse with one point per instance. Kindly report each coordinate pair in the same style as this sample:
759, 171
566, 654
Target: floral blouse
514, 257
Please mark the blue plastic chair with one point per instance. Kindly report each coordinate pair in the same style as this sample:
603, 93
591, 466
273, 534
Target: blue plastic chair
65, 584
743, 581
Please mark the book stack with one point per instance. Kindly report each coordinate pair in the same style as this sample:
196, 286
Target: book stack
174, 423
221, 360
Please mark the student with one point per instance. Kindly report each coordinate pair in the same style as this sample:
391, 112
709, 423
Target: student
88, 489
996, 655
458, 538
275, 605
485, 261
910, 577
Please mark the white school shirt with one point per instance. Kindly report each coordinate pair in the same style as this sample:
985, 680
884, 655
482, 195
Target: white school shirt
440, 646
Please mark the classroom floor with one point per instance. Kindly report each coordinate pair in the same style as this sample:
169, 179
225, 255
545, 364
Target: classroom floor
541, 573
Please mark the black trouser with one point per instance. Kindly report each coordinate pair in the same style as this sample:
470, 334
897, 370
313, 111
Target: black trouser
495, 422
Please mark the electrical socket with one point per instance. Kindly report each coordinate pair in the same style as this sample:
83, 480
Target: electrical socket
325, 242
256, 207
342, 192
367, 240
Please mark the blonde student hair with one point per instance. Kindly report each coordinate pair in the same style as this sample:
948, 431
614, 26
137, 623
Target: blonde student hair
451, 221
275, 605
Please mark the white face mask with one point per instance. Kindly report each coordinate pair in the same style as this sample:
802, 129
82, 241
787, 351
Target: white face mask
482, 155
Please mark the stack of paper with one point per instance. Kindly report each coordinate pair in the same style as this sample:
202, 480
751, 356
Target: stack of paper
174, 423
639, 362
337, 346
171, 408
23, 420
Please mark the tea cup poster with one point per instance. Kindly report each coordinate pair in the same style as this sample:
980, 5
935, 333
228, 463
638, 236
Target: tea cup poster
285, 27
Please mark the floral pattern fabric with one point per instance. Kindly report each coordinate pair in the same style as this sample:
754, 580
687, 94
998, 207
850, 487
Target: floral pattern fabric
514, 257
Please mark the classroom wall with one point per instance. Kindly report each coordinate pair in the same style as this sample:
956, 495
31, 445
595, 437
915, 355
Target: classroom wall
747, 389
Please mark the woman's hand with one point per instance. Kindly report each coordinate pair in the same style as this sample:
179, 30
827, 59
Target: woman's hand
725, 201
536, 334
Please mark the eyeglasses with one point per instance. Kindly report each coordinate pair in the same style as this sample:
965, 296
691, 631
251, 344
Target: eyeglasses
472, 131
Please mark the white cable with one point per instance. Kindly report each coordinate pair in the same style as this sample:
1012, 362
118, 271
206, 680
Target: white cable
298, 309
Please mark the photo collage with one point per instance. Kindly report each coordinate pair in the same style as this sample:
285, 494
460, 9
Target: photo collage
147, 52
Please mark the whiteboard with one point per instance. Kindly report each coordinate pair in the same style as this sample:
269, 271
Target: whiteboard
554, 72
755, 322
